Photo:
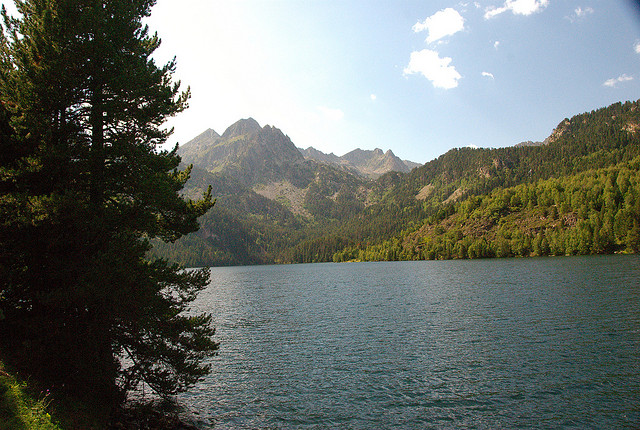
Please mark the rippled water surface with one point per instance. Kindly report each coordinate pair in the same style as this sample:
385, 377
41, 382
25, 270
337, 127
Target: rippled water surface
519, 343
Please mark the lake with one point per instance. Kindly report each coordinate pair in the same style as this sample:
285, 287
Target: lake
511, 343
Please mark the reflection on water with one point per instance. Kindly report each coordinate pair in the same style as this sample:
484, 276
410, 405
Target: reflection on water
550, 343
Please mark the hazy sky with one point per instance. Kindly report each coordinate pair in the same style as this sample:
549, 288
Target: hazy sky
416, 77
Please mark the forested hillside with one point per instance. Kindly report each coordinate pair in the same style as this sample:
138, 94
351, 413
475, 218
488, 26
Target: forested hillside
242, 228
593, 212
597, 139
456, 206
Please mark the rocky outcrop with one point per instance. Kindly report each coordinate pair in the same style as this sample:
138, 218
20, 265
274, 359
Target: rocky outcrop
558, 131
529, 143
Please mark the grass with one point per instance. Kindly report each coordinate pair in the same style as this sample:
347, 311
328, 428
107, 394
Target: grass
24, 405
20, 409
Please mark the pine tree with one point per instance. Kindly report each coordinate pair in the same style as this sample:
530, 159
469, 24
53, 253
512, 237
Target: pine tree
84, 188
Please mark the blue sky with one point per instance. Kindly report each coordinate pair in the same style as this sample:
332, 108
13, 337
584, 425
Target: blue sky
416, 77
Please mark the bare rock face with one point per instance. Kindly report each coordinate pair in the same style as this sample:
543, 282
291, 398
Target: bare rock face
371, 164
313, 154
198, 144
240, 128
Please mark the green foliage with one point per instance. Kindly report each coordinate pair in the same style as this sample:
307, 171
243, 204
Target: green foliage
598, 139
20, 409
82, 192
597, 216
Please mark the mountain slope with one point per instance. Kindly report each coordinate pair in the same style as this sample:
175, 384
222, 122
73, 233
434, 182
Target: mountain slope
595, 140
593, 212
265, 160
575, 193
269, 197
198, 144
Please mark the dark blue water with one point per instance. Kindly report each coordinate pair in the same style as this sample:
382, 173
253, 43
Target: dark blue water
517, 343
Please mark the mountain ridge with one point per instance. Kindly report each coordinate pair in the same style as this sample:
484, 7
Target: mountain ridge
369, 163
240, 143
577, 192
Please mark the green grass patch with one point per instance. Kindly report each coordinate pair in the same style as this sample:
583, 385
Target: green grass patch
25, 405
20, 408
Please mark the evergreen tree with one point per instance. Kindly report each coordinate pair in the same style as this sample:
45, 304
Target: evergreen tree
84, 187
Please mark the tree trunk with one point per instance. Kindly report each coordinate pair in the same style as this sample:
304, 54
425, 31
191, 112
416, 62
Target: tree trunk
97, 157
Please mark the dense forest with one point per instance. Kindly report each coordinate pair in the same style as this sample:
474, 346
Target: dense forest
594, 212
456, 206
464, 182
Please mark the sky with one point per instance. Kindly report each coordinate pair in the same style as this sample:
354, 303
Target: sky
416, 77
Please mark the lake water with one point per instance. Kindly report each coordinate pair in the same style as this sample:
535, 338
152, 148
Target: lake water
514, 343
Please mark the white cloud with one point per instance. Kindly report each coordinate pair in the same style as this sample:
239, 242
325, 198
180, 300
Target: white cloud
488, 75
613, 82
636, 47
438, 70
494, 11
583, 12
518, 7
331, 114
441, 24
580, 13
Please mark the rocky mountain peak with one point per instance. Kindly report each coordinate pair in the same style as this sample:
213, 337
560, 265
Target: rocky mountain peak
199, 144
258, 155
209, 134
245, 151
313, 154
270, 132
240, 128
559, 131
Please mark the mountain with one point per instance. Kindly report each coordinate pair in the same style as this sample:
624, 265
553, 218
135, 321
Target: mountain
268, 197
371, 164
313, 154
265, 161
255, 154
249, 153
242, 127
198, 144
576, 193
